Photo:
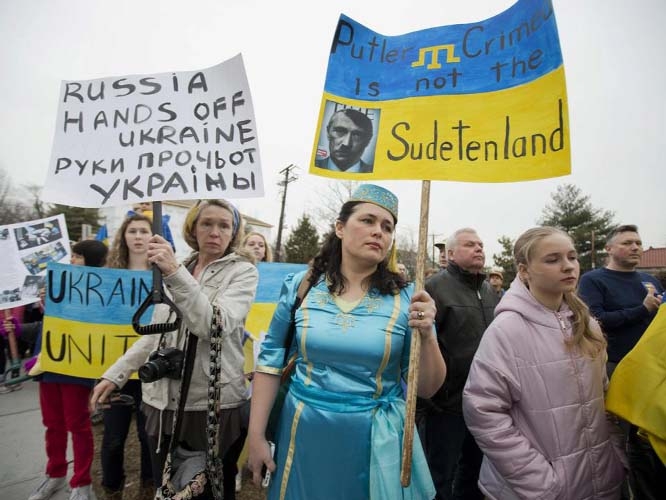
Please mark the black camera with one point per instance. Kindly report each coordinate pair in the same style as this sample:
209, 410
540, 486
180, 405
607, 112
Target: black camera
167, 362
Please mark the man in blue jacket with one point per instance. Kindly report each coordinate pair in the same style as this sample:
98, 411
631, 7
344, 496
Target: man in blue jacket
625, 301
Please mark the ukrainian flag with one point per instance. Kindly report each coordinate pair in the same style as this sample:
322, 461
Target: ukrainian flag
103, 234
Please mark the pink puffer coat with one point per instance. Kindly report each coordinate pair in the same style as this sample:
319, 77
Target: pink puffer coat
536, 409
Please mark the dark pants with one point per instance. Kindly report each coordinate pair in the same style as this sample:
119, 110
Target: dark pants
453, 456
29, 336
157, 460
117, 421
230, 467
647, 473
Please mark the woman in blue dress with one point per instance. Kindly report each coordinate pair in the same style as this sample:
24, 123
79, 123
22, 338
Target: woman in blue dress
340, 431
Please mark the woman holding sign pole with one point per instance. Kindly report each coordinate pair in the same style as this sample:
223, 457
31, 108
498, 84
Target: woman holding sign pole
129, 251
340, 430
217, 280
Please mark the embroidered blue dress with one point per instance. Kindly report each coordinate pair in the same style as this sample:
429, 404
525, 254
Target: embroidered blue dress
340, 432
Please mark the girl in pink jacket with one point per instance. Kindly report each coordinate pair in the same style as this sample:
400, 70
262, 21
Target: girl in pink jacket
534, 398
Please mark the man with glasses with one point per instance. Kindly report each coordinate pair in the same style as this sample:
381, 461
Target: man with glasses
349, 132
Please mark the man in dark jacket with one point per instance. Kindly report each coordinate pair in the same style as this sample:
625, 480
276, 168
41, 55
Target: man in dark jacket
465, 305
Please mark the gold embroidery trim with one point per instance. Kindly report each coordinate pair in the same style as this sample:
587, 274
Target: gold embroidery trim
290, 452
271, 370
303, 344
387, 344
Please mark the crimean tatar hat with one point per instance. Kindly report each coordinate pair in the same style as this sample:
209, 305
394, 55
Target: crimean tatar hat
371, 193
382, 197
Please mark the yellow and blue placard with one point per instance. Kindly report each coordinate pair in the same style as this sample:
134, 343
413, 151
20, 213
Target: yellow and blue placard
271, 276
88, 317
89, 310
478, 102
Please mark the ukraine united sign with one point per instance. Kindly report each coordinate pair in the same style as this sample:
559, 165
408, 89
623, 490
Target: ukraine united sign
89, 310
479, 102
88, 317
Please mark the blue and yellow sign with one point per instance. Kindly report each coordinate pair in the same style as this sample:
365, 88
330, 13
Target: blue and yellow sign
479, 102
89, 310
271, 276
88, 320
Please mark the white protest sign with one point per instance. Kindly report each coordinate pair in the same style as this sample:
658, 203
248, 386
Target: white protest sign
168, 136
26, 249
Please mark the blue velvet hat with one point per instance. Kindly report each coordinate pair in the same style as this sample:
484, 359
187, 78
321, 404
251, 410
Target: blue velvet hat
371, 193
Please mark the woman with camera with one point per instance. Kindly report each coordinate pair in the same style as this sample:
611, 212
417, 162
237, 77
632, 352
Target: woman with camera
218, 274
129, 251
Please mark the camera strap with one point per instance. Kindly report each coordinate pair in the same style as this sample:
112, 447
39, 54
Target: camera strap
212, 469
167, 490
188, 366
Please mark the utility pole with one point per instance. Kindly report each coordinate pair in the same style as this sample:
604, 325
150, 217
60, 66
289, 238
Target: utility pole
284, 183
594, 264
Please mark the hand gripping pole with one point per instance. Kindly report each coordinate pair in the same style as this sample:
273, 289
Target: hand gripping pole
157, 295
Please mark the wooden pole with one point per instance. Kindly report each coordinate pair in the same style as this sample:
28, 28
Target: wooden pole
415, 346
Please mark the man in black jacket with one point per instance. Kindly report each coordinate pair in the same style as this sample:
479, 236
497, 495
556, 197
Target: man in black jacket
465, 306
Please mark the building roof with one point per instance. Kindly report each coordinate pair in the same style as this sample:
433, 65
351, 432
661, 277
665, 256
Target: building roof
653, 258
188, 203
255, 222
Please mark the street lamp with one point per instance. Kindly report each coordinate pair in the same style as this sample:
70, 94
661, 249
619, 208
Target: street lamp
433, 236
593, 264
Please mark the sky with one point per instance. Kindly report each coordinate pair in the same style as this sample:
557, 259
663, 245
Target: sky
613, 63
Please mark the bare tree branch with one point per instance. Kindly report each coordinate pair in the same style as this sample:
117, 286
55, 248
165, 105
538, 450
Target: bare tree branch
331, 200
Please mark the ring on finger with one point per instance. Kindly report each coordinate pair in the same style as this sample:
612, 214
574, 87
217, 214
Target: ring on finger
420, 315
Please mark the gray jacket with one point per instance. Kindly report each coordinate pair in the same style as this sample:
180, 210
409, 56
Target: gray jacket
230, 283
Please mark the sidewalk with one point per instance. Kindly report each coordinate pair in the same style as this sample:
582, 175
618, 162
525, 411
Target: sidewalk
22, 455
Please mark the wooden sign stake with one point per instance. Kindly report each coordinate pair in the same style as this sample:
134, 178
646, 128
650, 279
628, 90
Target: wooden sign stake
415, 346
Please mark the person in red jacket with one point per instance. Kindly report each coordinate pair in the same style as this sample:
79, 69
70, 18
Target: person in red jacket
64, 403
